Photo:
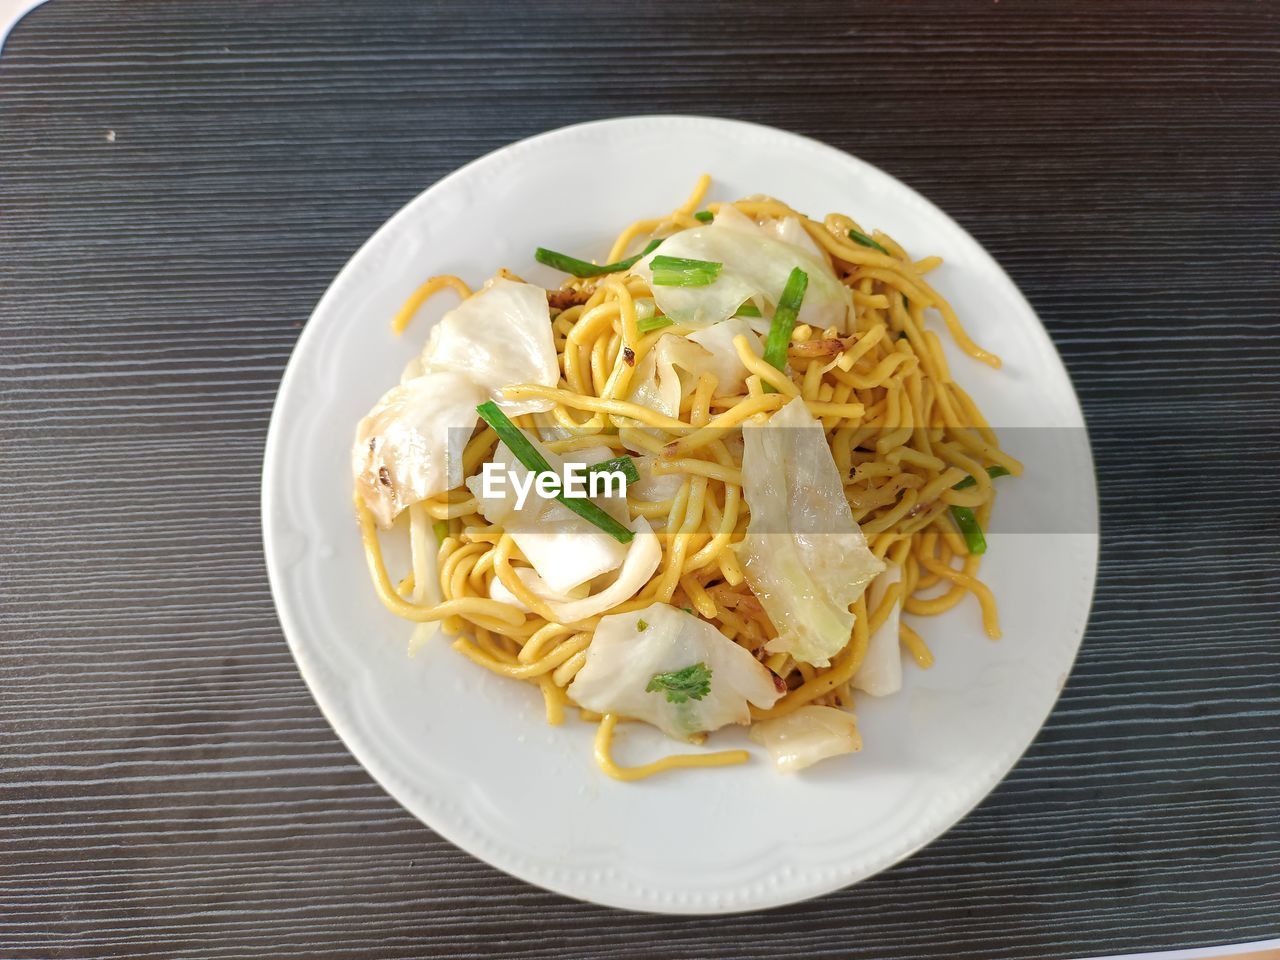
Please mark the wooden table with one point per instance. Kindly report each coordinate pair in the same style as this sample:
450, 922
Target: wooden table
180, 181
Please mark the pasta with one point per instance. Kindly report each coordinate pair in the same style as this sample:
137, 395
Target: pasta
647, 370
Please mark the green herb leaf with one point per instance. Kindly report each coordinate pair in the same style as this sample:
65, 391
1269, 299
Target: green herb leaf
642, 626
531, 459
704, 216
992, 472
683, 272
581, 268
441, 529
967, 523
784, 321
688, 610
858, 237
625, 464
748, 309
681, 686
653, 323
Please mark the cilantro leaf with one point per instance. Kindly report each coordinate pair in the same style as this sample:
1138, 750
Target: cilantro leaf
690, 683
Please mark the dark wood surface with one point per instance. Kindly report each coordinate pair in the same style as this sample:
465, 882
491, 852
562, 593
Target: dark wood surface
179, 182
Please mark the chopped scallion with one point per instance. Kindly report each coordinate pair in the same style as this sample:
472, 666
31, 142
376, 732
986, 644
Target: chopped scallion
784, 322
748, 309
653, 323
624, 464
704, 216
857, 236
683, 272
967, 522
581, 268
532, 459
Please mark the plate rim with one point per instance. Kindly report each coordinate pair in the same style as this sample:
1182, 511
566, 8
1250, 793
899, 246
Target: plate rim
347, 731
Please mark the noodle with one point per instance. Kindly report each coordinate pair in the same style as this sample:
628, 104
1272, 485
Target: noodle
902, 434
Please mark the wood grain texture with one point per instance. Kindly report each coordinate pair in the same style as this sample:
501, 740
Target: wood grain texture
167, 786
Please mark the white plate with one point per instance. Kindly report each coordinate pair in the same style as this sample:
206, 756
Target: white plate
468, 752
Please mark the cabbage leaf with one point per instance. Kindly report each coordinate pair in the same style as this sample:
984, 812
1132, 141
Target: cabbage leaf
565, 549
881, 671
643, 554
497, 337
807, 735
629, 650
409, 447
803, 555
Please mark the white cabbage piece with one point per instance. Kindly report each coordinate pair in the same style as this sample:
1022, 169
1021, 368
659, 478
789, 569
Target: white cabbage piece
724, 362
410, 445
565, 549
755, 265
881, 670
412, 370
803, 555
656, 382
629, 649
646, 309
550, 430
653, 487
537, 586
790, 230
810, 734
499, 336
643, 555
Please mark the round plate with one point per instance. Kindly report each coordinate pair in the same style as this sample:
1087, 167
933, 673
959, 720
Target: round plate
470, 754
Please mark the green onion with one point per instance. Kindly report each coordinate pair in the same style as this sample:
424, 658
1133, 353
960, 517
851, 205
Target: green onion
529, 456
580, 268
784, 321
992, 472
683, 272
748, 309
441, 529
859, 237
704, 216
625, 464
653, 323
966, 520
967, 523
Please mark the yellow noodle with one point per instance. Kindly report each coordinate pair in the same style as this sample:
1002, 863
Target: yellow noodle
604, 757
424, 293
916, 646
